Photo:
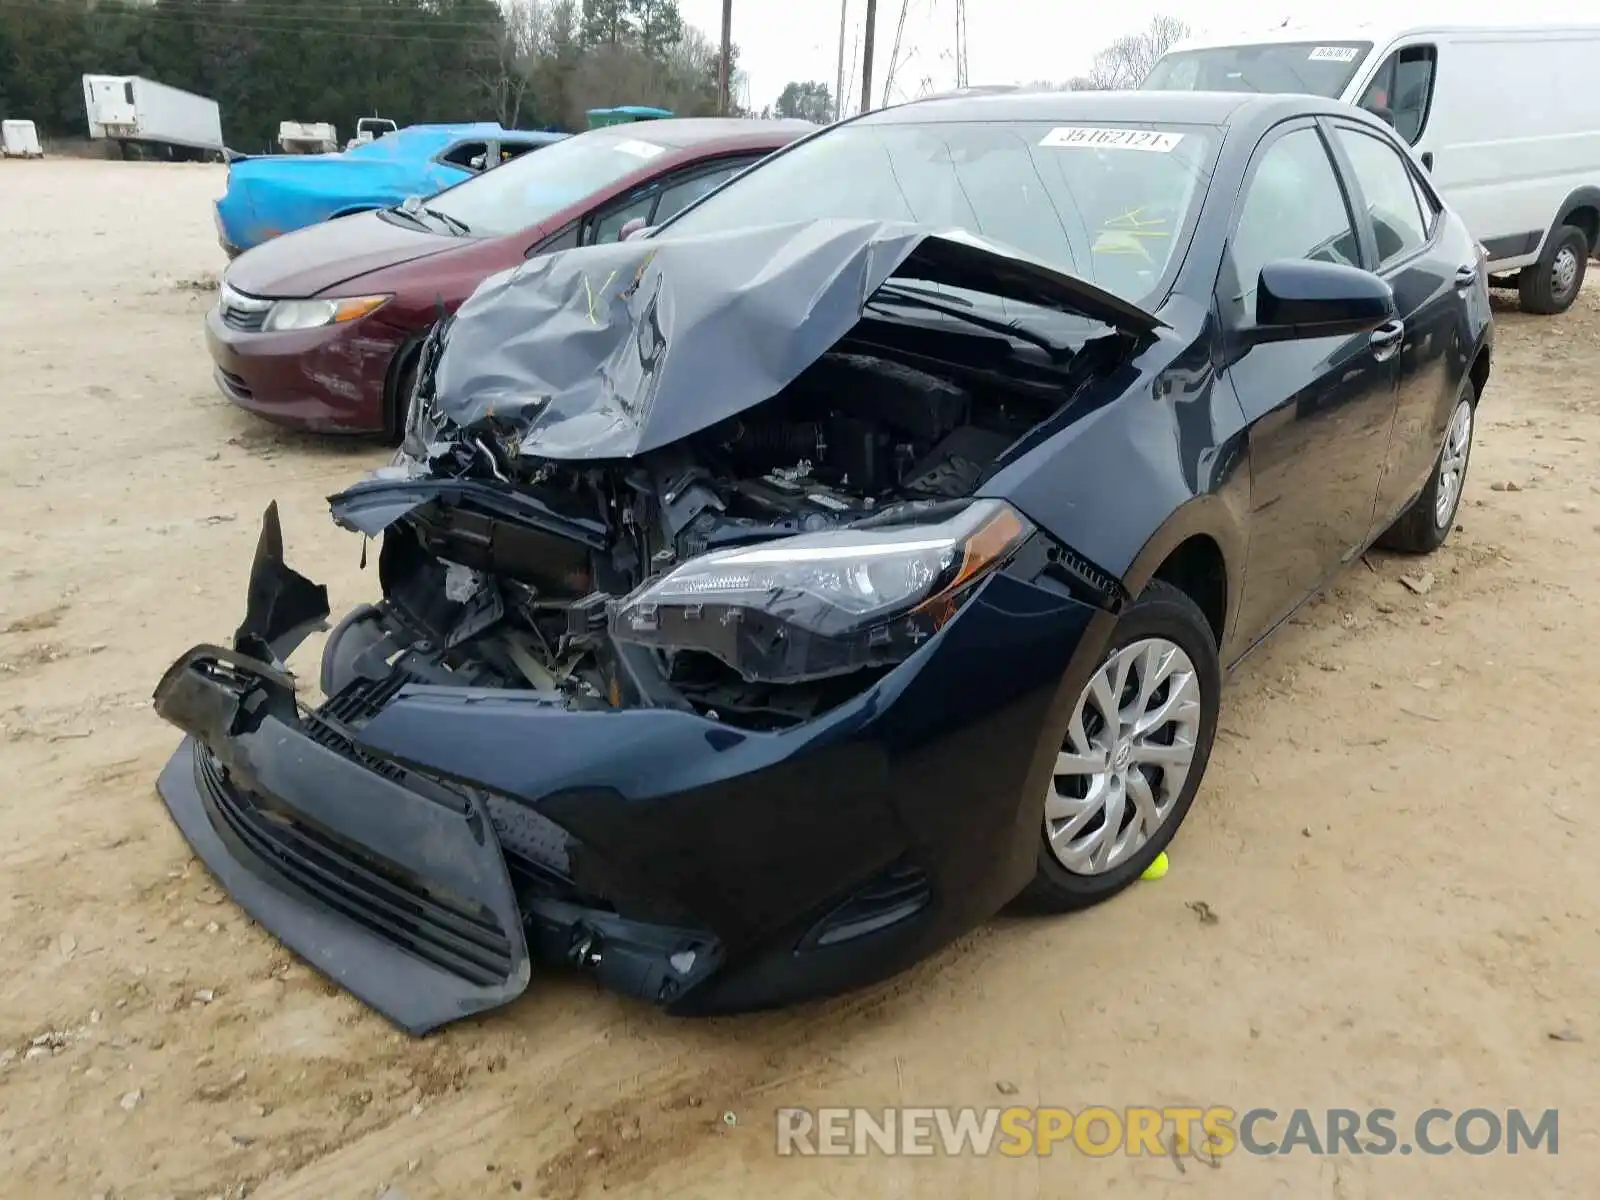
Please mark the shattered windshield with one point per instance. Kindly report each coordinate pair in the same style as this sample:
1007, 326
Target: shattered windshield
1305, 68
534, 187
1109, 204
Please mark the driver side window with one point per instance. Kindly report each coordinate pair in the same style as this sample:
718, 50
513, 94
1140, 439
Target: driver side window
1294, 207
1402, 90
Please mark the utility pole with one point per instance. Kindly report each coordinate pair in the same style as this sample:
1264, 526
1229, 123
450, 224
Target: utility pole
961, 43
866, 56
838, 79
727, 52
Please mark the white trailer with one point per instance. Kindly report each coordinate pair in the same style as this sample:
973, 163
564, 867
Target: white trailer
143, 116
19, 139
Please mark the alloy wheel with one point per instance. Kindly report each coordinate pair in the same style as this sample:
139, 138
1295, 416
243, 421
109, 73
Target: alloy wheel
1453, 464
1126, 756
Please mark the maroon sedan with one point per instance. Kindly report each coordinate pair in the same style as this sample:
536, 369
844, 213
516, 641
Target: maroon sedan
320, 328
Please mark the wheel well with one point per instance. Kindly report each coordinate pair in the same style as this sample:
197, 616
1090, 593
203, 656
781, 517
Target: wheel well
1479, 373
393, 413
1587, 218
1196, 568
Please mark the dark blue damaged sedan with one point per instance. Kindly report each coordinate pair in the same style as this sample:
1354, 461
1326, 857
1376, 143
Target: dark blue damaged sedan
767, 599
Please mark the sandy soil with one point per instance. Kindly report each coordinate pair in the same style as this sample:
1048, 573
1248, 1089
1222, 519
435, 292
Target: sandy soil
1396, 838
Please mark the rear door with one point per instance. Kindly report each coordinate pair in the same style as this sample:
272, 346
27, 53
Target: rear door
1432, 267
663, 197
1320, 410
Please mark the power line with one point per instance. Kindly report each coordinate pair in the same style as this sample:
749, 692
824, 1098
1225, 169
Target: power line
894, 54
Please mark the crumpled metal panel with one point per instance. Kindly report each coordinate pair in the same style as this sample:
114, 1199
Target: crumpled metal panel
609, 351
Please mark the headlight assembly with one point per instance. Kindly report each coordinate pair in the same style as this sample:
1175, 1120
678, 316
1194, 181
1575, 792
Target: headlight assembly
823, 604
287, 315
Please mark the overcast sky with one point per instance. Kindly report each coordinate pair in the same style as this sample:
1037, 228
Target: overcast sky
1008, 41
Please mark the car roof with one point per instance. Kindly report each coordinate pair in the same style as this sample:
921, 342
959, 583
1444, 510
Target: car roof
683, 133
1177, 108
1377, 31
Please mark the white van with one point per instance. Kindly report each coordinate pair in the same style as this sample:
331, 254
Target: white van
1505, 118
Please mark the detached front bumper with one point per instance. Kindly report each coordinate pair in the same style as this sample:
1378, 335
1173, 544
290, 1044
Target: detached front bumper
403, 900
419, 844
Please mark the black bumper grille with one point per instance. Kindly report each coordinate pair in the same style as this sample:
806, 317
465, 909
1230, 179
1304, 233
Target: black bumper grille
233, 384
245, 320
463, 939
521, 830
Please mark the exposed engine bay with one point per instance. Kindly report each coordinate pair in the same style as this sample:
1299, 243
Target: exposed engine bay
530, 593
629, 480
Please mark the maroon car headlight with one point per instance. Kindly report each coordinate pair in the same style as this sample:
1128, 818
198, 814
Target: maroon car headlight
823, 604
287, 315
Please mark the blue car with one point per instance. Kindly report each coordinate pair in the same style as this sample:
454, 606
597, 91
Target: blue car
277, 193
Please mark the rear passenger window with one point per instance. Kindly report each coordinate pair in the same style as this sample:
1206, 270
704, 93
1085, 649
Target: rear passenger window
1294, 208
679, 196
1425, 202
1390, 193
471, 156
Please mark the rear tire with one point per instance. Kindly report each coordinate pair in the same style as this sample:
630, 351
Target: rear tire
1553, 283
1144, 773
1423, 527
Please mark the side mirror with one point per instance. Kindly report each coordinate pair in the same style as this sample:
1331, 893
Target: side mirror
632, 229
1299, 298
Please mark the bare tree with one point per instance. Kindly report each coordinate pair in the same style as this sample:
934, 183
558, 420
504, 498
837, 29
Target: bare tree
1126, 61
508, 75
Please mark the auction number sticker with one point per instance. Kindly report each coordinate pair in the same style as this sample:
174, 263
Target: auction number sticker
1091, 138
639, 149
1334, 54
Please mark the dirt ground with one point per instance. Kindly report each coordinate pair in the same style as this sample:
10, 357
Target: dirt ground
1397, 840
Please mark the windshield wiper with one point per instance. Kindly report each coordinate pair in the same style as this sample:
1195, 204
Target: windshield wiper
1008, 329
458, 227
400, 210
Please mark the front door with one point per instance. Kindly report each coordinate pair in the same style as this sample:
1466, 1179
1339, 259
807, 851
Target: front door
1432, 269
1320, 410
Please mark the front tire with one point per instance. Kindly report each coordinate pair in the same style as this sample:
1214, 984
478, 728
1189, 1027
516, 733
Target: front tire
1423, 527
1553, 283
1132, 755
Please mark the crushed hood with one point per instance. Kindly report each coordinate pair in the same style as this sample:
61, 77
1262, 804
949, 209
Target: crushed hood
610, 351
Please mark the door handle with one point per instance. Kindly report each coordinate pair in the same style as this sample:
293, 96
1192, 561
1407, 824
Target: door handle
1385, 340
1466, 276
